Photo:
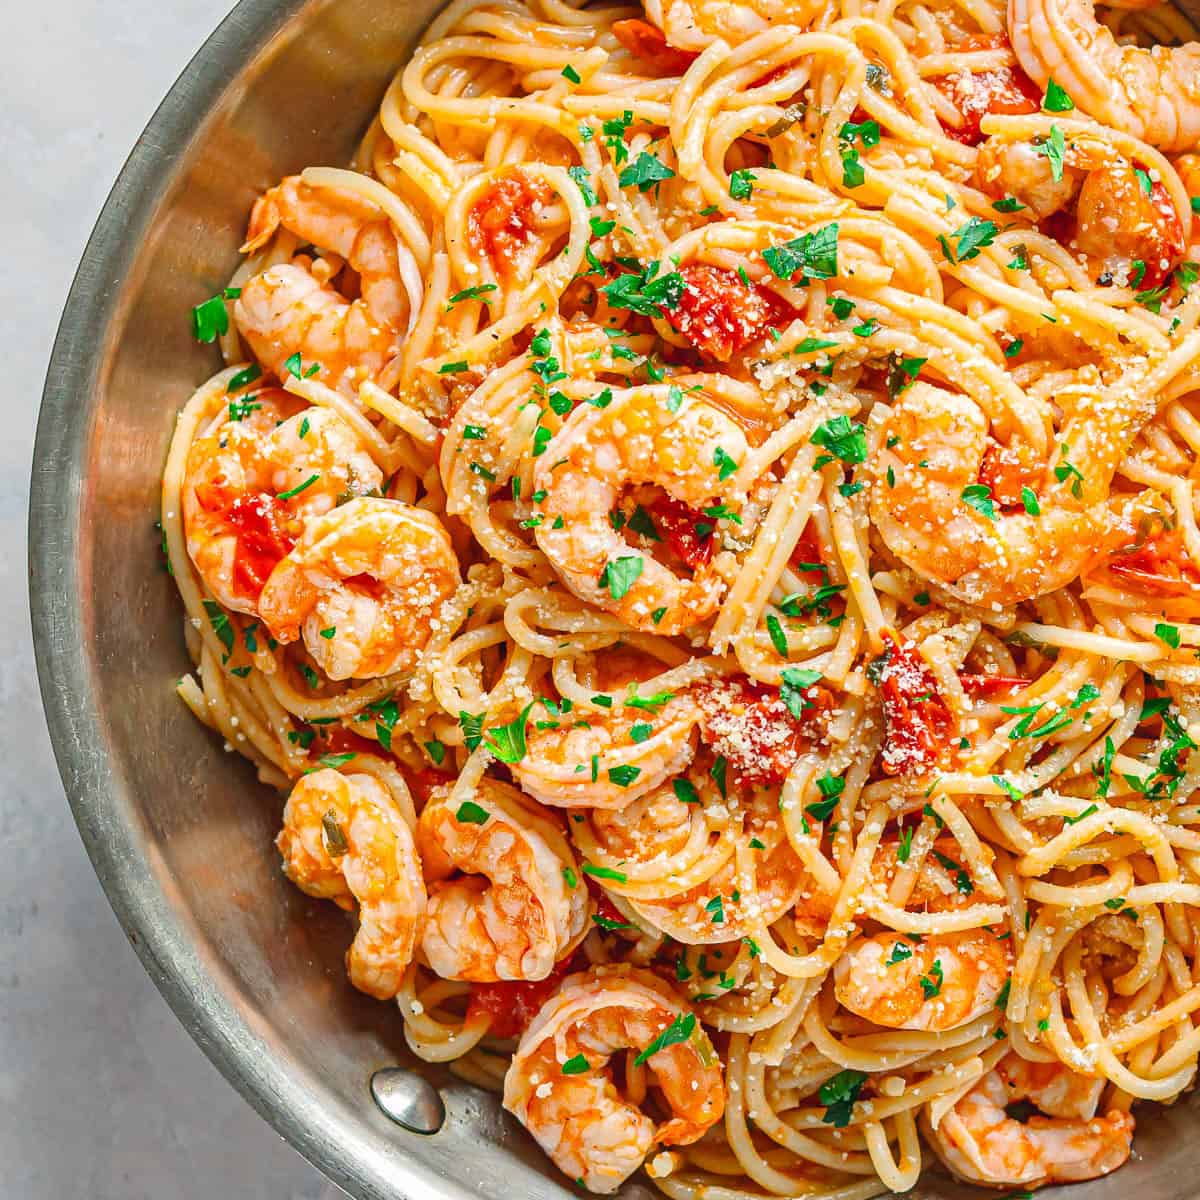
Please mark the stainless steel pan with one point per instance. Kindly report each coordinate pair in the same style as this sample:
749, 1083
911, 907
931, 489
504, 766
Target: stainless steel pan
180, 834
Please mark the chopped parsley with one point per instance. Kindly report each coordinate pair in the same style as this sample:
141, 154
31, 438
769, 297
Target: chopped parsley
646, 171
621, 574
1053, 149
470, 813
839, 1094
648, 294
1056, 99
843, 438
678, 1031
210, 320
814, 254
741, 184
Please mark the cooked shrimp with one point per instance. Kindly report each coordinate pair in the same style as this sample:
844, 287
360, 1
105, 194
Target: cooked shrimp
933, 445
363, 585
1121, 218
1188, 168
981, 1143
521, 906
694, 24
748, 891
287, 310
343, 840
656, 827
1016, 169
940, 885
1153, 94
559, 1086
936, 984
1120, 226
611, 758
642, 437
253, 483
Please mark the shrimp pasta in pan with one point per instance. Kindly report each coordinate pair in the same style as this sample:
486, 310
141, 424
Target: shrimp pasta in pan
699, 525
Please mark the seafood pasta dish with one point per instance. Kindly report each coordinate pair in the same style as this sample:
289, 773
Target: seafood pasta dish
699, 525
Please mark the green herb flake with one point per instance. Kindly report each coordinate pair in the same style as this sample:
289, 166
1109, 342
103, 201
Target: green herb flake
839, 1095
645, 172
1053, 149
741, 184
621, 574
470, 813
210, 320
815, 254
843, 438
1056, 99
678, 1031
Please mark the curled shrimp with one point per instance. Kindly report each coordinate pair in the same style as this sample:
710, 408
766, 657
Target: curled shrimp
287, 309
255, 480
515, 911
610, 758
644, 436
751, 888
935, 984
933, 513
560, 1088
694, 24
1152, 94
981, 1143
1125, 222
343, 840
363, 585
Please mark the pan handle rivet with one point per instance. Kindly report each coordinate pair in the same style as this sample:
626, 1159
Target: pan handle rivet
408, 1099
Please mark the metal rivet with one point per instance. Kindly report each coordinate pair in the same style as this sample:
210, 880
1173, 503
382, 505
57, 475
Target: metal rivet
408, 1099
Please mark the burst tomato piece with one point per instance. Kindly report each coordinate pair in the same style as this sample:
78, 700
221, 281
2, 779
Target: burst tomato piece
806, 558
917, 722
513, 1004
720, 313
337, 739
1160, 564
1006, 91
753, 730
262, 539
606, 910
501, 222
688, 533
649, 43
987, 686
1006, 473
424, 781
1123, 217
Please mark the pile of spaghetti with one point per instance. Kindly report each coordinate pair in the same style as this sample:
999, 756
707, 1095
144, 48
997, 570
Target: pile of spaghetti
700, 522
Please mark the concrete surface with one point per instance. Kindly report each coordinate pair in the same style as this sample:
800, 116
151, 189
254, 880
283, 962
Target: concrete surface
102, 1094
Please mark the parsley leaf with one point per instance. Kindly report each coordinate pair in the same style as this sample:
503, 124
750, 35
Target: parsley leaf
1054, 149
678, 1031
507, 742
843, 438
646, 171
648, 294
979, 497
741, 184
621, 574
839, 1095
470, 813
815, 254
1056, 99
210, 320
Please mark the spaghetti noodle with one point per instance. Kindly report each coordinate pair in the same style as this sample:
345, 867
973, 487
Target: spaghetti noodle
701, 518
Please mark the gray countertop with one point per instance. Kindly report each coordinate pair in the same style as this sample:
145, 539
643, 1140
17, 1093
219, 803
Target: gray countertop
102, 1094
